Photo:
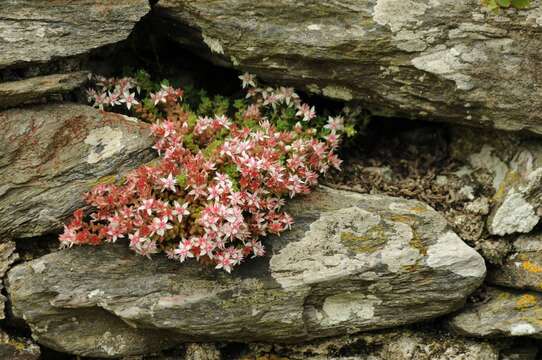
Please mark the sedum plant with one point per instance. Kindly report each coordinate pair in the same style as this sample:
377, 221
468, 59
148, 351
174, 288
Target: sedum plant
223, 173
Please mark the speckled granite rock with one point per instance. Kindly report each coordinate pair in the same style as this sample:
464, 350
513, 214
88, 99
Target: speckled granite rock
38, 31
506, 313
522, 269
52, 154
15, 93
448, 60
352, 262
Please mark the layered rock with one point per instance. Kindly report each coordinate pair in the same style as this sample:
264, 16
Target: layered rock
52, 154
37, 31
396, 344
352, 263
512, 166
15, 93
504, 313
7, 257
522, 269
449, 60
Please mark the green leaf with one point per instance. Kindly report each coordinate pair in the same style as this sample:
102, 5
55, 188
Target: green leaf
503, 3
520, 4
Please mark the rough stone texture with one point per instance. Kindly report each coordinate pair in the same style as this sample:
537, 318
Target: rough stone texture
522, 269
505, 313
7, 257
438, 60
52, 154
352, 262
397, 344
17, 349
14, 93
512, 165
38, 31
197, 351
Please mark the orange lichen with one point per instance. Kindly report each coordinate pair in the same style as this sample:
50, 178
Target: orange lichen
525, 301
531, 267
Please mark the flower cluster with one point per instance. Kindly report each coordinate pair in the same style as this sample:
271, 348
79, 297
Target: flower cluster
221, 181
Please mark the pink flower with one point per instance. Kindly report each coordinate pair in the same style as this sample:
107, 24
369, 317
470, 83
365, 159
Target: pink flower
160, 225
183, 250
159, 97
68, 236
223, 261
129, 99
180, 210
248, 80
335, 124
147, 206
168, 183
214, 193
306, 112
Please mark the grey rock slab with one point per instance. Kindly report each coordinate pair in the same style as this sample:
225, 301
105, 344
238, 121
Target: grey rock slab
52, 154
437, 60
506, 313
15, 93
351, 263
39, 31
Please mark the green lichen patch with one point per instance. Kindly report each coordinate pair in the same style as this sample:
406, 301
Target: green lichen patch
371, 241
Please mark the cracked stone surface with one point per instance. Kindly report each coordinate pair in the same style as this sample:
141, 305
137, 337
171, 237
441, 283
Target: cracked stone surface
52, 154
38, 31
505, 313
351, 263
436, 60
15, 93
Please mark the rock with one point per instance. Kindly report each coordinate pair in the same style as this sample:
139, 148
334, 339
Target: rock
505, 313
520, 352
441, 60
397, 344
515, 167
36, 31
351, 263
52, 154
522, 269
196, 351
18, 349
19, 92
7, 257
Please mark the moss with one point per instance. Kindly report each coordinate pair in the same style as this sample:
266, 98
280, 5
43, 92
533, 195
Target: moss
373, 240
